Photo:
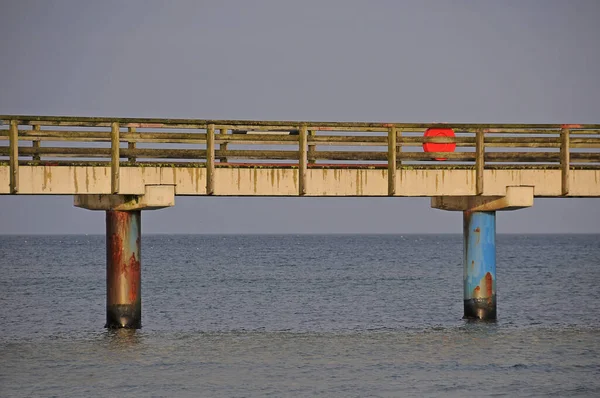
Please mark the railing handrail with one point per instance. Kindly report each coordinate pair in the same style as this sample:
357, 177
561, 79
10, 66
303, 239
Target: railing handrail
155, 122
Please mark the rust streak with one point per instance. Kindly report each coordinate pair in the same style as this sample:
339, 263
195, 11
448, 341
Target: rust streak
132, 268
488, 284
116, 244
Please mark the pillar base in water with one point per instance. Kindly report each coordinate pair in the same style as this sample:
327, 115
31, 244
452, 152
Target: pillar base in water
481, 308
126, 316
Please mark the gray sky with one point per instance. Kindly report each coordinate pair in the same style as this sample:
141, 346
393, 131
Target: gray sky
402, 61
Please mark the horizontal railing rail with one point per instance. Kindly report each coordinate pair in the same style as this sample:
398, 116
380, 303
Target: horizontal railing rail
120, 142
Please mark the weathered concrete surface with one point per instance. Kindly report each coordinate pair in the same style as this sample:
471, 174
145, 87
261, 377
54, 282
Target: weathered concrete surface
251, 181
69, 180
514, 199
346, 182
155, 197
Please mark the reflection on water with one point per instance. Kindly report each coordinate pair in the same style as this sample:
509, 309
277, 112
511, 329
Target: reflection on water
119, 339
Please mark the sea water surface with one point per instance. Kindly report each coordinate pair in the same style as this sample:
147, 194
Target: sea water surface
301, 315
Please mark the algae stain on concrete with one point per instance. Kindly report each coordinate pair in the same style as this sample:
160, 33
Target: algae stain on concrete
47, 178
75, 179
272, 171
192, 179
278, 178
363, 180
295, 178
255, 180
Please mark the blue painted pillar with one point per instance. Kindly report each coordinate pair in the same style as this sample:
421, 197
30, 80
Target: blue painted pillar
123, 269
479, 234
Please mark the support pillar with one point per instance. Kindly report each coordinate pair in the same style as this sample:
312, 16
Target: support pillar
479, 234
123, 248
123, 269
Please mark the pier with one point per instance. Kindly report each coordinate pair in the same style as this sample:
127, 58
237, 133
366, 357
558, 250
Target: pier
125, 165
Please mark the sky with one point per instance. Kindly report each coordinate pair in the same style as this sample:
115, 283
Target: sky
473, 61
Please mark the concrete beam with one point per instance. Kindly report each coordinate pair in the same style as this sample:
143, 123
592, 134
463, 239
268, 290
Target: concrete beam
517, 197
271, 181
155, 197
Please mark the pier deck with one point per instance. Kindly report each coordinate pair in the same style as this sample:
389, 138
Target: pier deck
79, 156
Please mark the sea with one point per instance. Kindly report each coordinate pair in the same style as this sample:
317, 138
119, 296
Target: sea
301, 315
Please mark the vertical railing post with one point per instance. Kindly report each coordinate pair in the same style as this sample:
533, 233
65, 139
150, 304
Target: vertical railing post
302, 160
13, 143
398, 148
479, 161
223, 145
565, 160
131, 145
392, 161
36, 145
312, 148
210, 159
114, 157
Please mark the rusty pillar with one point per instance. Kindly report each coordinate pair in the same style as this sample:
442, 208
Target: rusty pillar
479, 234
123, 269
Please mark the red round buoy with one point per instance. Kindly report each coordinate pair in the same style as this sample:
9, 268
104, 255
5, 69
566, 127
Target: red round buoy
441, 146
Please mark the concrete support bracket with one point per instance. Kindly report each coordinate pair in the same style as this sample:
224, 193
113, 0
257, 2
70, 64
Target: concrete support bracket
155, 197
517, 197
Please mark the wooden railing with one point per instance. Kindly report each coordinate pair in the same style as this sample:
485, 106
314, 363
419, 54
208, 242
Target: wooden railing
232, 143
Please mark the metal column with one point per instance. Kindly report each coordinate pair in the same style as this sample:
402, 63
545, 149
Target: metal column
479, 234
123, 269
